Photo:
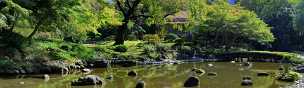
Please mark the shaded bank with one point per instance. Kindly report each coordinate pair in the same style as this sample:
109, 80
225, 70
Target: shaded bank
262, 56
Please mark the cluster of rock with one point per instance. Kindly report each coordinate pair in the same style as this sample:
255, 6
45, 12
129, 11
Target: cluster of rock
88, 80
96, 80
53, 67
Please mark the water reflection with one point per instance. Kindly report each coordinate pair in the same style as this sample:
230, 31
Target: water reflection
228, 75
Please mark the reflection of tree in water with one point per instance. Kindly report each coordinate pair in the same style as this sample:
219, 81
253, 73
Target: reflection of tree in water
168, 71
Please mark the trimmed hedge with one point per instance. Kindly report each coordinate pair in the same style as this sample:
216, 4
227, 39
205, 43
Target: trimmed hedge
260, 55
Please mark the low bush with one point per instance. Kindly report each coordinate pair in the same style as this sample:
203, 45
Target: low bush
61, 55
83, 52
66, 47
161, 47
93, 35
291, 57
120, 48
149, 51
6, 63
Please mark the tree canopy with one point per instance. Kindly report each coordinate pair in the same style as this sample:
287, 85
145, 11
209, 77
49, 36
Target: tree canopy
223, 25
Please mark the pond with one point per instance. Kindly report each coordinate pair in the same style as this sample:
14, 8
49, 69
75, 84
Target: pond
229, 75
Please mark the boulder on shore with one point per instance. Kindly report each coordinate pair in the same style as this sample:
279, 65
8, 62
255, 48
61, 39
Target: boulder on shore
97, 64
88, 80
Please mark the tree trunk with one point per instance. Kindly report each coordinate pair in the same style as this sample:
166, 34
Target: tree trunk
121, 34
35, 30
123, 29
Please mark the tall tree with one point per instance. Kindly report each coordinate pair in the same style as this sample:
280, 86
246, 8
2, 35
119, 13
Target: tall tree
221, 25
279, 14
299, 16
42, 12
153, 11
10, 13
72, 18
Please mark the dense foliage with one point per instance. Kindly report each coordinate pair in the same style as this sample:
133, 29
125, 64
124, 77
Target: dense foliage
284, 16
70, 30
227, 26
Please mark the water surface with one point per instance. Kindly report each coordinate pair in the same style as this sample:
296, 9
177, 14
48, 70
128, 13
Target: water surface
229, 75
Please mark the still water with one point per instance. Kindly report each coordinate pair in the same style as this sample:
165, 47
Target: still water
229, 75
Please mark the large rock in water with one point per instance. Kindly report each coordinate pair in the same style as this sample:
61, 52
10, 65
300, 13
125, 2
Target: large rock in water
212, 74
262, 74
140, 84
246, 81
132, 73
191, 82
88, 80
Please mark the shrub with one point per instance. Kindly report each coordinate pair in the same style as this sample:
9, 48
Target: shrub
179, 41
11, 39
152, 38
93, 35
148, 48
66, 47
141, 44
150, 51
61, 55
120, 48
109, 38
162, 47
132, 37
46, 36
100, 49
171, 37
7, 63
83, 52
185, 50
